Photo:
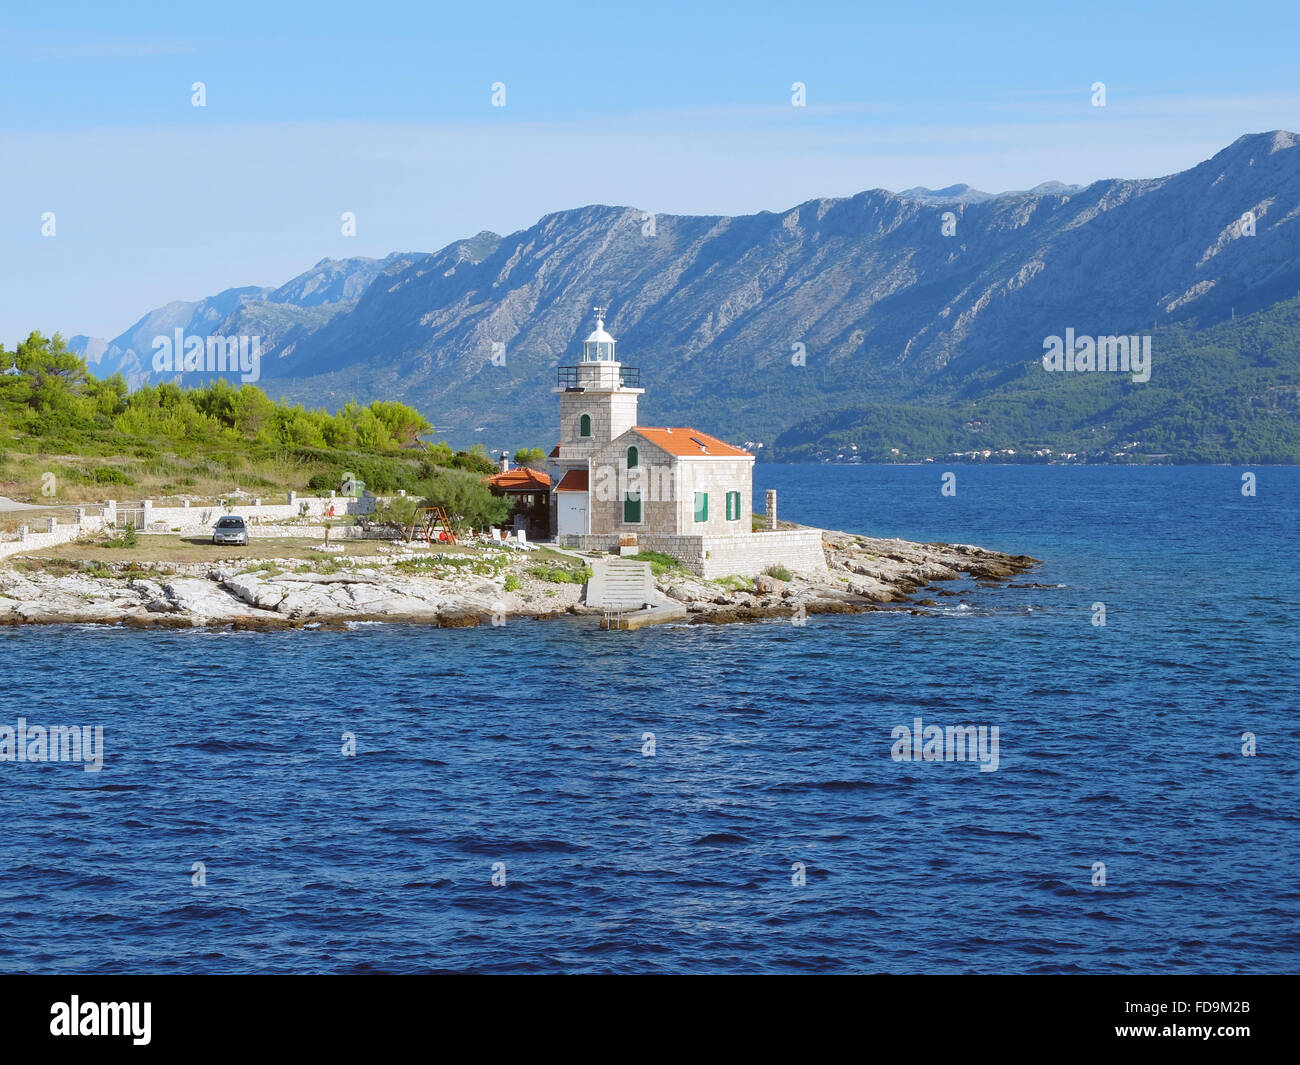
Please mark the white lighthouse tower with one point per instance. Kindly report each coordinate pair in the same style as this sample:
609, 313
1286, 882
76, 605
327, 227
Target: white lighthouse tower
598, 401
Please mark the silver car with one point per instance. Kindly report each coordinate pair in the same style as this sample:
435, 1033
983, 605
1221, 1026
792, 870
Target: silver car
230, 530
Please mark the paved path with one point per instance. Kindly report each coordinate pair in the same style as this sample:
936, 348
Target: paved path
9, 504
13, 504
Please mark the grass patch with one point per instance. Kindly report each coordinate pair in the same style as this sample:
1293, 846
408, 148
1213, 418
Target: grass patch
168, 547
779, 572
324, 567
561, 574
659, 562
443, 566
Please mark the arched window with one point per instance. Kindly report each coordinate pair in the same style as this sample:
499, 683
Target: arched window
633, 458
584, 425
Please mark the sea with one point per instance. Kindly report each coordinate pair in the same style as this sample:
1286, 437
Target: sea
549, 797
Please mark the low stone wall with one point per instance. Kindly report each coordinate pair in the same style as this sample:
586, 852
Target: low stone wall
268, 532
61, 533
198, 521
203, 517
742, 555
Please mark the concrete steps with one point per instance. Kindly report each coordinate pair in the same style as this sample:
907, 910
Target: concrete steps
620, 584
625, 589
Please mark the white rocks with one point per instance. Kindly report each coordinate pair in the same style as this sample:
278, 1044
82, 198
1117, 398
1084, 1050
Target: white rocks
862, 572
253, 591
201, 598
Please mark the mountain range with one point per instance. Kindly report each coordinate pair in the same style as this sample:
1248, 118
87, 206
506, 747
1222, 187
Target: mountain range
883, 326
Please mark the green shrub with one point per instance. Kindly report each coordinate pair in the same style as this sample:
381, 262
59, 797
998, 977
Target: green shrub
125, 538
109, 475
779, 572
468, 500
562, 574
659, 562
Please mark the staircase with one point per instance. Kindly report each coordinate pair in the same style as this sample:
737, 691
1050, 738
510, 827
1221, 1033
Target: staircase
620, 584
625, 589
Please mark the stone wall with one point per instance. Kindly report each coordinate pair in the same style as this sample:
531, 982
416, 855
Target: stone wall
667, 485
654, 478
717, 477
798, 550
612, 414
263, 521
50, 534
743, 555
202, 517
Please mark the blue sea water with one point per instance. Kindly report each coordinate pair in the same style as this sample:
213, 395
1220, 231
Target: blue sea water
523, 745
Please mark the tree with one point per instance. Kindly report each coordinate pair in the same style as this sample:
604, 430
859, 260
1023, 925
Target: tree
466, 498
397, 513
54, 373
475, 460
404, 424
534, 457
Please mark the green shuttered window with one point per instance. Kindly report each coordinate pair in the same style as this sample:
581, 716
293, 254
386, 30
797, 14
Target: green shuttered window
701, 506
733, 506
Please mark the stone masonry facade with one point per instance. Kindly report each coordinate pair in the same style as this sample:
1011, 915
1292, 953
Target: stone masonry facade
713, 557
667, 485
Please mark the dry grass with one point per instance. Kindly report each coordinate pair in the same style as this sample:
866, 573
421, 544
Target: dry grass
173, 548
164, 478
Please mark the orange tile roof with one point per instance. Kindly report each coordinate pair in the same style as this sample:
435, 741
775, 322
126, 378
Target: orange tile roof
573, 481
521, 477
687, 442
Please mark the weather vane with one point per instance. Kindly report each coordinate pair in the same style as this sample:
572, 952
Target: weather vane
600, 311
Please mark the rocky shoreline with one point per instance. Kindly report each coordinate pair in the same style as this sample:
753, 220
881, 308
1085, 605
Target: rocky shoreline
863, 574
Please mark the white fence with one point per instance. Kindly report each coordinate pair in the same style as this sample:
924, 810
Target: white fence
264, 520
192, 518
54, 533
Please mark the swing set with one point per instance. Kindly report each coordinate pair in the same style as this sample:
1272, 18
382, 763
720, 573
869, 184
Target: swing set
431, 524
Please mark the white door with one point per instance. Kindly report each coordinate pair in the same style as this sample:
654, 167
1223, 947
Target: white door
571, 513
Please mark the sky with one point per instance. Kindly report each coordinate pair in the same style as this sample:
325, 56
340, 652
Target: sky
388, 111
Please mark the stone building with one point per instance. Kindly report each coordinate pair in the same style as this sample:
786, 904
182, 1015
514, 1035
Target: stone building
529, 493
671, 488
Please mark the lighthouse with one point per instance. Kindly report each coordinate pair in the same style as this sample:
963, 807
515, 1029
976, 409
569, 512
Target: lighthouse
598, 402
624, 487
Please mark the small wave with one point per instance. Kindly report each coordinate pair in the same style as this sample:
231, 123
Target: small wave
721, 837
220, 746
